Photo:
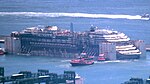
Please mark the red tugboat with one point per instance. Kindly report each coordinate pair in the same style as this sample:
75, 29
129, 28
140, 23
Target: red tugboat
102, 57
82, 60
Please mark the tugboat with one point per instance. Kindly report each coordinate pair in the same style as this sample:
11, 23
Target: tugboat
102, 57
82, 60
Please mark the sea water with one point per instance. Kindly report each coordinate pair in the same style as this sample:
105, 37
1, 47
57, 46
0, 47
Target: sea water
120, 15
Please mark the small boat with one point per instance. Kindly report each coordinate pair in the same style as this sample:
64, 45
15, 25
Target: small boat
2, 52
81, 61
102, 57
145, 17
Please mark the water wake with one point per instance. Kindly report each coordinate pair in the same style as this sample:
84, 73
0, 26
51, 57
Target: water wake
114, 61
82, 15
65, 60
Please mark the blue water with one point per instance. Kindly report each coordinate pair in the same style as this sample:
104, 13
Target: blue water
15, 15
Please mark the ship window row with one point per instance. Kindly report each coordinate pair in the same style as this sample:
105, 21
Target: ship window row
54, 37
51, 44
45, 35
47, 40
114, 37
65, 42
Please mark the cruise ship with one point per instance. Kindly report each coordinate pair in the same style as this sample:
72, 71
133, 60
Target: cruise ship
56, 42
125, 48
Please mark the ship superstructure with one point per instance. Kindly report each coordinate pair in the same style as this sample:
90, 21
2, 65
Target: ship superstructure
107, 35
128, 51
56, 42
125, 48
